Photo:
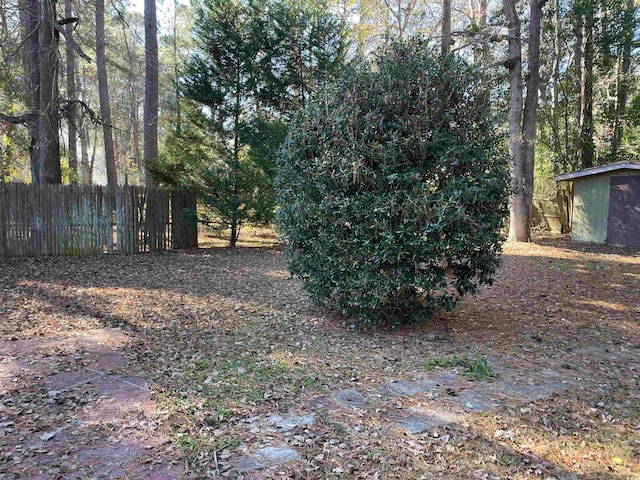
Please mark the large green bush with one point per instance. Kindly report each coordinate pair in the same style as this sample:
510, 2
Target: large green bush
392, 187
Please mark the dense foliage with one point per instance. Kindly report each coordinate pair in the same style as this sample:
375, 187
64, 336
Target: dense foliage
392, 187
256, 63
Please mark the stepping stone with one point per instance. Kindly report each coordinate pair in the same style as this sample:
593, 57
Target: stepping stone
398, 388
448, 379
69, 380
287, 423
476, 401
120, 400
532, 392
500, 367
351, 398
266, 457
401, 388
414, 421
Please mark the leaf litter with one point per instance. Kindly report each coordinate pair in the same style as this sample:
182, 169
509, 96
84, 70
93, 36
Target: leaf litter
226, 341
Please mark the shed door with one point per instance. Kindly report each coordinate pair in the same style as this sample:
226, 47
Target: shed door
623, 225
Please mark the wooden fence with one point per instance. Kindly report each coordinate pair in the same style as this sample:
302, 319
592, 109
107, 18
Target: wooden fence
72, 220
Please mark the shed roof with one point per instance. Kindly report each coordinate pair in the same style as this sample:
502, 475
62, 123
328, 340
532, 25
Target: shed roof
597, 170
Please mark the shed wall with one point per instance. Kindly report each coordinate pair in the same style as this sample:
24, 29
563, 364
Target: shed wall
591, 206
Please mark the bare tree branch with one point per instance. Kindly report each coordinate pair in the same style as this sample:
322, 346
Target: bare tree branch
70, 40
17, 119
64, 104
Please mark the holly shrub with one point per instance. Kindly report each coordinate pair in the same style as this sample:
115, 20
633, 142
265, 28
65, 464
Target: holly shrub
392, 187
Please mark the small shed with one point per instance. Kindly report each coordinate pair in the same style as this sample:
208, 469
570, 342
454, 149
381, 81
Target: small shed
603, 203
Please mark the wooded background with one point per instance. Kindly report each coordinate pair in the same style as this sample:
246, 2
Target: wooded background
91, 92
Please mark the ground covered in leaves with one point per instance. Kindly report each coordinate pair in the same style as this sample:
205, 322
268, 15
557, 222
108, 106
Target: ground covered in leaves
213, 363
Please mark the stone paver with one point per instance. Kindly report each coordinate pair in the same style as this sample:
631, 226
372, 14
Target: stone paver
266, 457
416, 421
445, 388
286, 423
476, 401
601, 354
402, 388
128, 460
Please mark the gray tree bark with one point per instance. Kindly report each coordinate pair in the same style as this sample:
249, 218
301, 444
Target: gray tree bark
72, 112
531, 107
103, 90
30, 16
445, 41
587, 147
151, 87
577, 61
518, 217
48, 120
522, 127
176, 64
555, 75
84, 135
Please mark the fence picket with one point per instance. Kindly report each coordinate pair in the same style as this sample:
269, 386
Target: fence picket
56, 220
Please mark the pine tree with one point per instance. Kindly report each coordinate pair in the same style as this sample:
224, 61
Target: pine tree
256, 63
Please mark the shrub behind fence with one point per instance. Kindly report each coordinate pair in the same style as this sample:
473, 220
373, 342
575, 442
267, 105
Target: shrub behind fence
72, 220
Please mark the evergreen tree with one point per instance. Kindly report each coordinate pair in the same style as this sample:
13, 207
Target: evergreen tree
256, 63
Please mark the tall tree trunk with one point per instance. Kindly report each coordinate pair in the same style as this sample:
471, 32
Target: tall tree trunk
133, 100
150, 86
518, 218
235, 221
30, 17
482, 53
445, 41
176, 64
84, 153
103, 90
577, 59
136, 137
531, 106
48, 121
84, 133
623, 79
3, 22
72, 112
522, 127
92, 161
555, 78
587, 147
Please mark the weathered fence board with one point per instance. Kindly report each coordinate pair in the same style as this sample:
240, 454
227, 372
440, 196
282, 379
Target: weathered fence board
72, 220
